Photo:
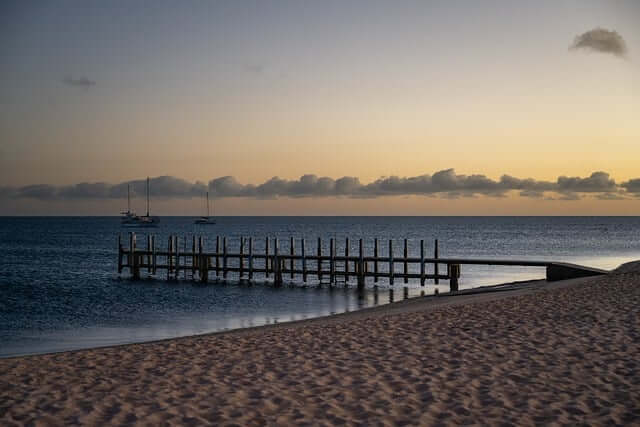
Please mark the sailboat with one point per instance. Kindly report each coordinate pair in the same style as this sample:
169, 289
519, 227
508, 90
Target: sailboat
206, 219
130, 219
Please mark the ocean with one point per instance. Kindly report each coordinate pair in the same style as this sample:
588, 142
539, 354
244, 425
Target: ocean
60, 290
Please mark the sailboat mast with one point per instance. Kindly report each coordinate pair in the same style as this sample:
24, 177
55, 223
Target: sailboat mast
128, 198
147, 196
207, 204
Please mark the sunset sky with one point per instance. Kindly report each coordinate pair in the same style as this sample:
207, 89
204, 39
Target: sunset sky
110, 92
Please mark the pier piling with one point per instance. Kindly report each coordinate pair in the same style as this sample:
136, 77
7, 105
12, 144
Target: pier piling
421, 262
406, 265
294, 263
241, 256
250, 258
119, 253
391, 262
375, 263
319, 260
435, 264
291, 261
304, 261
224, 257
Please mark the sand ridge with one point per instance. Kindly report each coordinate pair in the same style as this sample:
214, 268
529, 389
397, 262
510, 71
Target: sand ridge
550, 354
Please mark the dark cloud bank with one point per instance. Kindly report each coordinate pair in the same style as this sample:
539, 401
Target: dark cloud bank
601, 40
445, 183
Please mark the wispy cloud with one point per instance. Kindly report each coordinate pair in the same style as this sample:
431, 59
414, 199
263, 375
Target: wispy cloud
601, 40
445, 184
81, 82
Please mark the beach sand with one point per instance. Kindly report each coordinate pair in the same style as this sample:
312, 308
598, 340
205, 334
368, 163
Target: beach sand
545, 353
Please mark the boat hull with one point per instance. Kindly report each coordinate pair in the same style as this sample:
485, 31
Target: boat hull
205, 221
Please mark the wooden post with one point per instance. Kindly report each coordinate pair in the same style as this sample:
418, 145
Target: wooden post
217, 256
119, 253
390, 262
435, 264
266, 258
149, 253
346, 261
331, 261
203, 262
177, 247
204, 269
130, 254
224, 257
185, 270
422, 262
169, 256
250, 258
136, 263
375, 263
361, 267
241, 257
319, 263
406, 265
193, 256
197, 260
277, 272
454, 274
304, 261
292, 252
154, 256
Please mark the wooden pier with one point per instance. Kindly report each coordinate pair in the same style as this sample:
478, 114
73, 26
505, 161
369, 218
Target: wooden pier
195, 262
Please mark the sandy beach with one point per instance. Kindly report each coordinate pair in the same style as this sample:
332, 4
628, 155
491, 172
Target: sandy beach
563, 353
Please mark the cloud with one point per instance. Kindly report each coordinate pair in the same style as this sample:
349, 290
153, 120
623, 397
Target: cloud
632, 186
445, 183
597, 182
85, 190
6, 192
38, 191
601, 40
81, 82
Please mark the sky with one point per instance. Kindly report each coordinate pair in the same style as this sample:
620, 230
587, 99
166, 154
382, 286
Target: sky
321, 108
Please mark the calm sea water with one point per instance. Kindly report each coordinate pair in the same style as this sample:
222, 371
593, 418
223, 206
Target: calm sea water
59, 287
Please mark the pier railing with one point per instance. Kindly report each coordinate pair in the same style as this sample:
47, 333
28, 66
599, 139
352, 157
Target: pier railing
272, 263
298, 264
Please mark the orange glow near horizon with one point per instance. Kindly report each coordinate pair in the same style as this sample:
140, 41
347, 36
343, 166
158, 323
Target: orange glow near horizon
409, 93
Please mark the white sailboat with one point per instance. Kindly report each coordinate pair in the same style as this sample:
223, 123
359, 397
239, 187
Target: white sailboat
206, 219
130, 219
128, 216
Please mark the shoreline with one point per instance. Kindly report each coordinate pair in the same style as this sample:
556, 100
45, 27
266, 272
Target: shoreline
527, 354
442, 299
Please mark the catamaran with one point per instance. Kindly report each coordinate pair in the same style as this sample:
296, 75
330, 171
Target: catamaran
206, 219
130, 219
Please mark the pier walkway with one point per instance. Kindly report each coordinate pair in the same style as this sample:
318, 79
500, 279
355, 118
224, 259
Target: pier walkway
297, 264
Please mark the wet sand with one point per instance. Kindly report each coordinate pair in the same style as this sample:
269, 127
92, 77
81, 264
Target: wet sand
531, 354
